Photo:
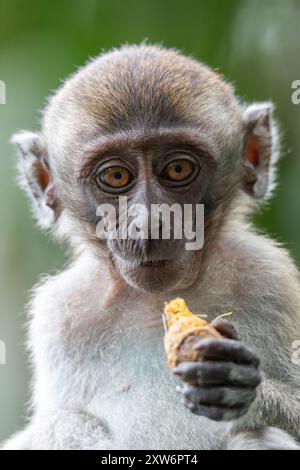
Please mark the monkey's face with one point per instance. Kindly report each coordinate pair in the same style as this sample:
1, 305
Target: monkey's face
142, 195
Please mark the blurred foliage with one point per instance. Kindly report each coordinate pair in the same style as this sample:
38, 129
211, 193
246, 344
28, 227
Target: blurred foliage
254, 44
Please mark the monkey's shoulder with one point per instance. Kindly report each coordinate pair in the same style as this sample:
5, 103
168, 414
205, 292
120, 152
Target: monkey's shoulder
253, 275
84, 282
246, 255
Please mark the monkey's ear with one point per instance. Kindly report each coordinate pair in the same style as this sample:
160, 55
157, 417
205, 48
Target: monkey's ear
260, 150
35, 177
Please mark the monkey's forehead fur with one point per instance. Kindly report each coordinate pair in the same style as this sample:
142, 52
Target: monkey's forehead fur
145, 87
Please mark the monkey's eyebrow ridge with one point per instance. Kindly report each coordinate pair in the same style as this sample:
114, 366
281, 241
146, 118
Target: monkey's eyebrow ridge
144, 140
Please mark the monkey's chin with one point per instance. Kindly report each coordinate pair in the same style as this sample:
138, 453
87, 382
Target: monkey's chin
149, 277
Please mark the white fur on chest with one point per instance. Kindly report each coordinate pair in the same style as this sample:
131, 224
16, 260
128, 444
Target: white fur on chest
140, 405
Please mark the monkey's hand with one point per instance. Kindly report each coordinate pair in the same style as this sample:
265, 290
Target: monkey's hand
223, 385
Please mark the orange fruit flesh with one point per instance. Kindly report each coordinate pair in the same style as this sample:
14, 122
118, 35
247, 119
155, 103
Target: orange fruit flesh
184, 330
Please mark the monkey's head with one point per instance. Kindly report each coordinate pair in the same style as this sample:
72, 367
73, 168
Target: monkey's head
151, 125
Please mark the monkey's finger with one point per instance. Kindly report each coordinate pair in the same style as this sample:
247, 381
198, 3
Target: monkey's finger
229, 397
216, 413
218, 373
225, 328
226, 350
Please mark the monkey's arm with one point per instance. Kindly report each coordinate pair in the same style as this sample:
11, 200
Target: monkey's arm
271, 421
277, 404
59, 419
61, 430
222, 387
278, 397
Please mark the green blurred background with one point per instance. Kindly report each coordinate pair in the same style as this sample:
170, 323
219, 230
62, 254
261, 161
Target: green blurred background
256, 44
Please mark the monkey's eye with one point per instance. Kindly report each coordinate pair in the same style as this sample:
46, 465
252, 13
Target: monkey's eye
178, 170
115, 177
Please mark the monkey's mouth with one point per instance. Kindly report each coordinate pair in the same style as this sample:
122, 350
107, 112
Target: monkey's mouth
132, 265
150, 275
156, 263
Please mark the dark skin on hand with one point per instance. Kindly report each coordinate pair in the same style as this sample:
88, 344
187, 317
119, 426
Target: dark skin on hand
223, 384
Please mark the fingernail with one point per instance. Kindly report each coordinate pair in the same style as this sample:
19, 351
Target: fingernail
177, 371
199, 346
